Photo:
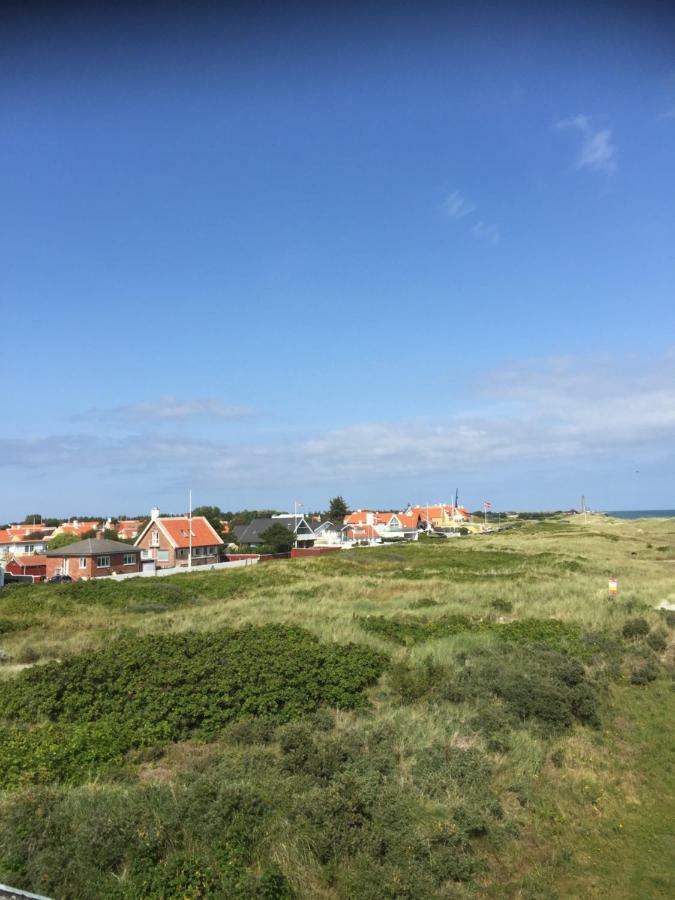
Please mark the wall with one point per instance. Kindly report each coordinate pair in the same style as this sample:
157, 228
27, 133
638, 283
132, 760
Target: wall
183, 570
313, 551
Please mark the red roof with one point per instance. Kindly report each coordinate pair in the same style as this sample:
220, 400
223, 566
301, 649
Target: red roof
358, 518
23, 530
203, 535
362, 533
8, 537
80, 528
29, 561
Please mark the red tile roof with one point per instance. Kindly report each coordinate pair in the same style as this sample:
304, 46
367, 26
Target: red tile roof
203, 535
362, 533
29, 560
80, 528
8, 537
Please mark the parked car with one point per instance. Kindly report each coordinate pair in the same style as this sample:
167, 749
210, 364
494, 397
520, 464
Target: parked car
60, 579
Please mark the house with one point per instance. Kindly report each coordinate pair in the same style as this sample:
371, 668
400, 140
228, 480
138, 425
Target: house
386, 526
179, 541
127, 529
327, 534
76, 528
251, 535
15, 543
28, 564
361, 533
94, 558
441, 516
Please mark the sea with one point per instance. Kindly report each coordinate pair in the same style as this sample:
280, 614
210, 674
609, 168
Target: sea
642, 513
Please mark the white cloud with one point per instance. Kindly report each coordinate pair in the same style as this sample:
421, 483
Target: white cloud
486, 232
457, 207
597, 152
168, 409
545, 410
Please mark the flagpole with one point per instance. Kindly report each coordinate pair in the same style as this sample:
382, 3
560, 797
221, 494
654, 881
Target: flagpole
190, 533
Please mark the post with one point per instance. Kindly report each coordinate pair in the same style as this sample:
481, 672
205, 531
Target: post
190, 533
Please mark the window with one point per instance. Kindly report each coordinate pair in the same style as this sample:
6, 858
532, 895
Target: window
154, 539
83, 562
129, 559
102, 562
162, 556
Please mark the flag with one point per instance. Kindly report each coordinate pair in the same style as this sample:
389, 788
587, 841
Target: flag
487, 504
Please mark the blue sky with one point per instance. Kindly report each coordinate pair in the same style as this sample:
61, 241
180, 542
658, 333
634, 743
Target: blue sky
385, 251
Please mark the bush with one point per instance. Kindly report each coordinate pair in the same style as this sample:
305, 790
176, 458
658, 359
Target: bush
635, 628
495, 724
423, 603
168, 687
409, 630
442, 767
551, 690
194, 839
412, 683
645, 674
657, 641
504, 606
28, 655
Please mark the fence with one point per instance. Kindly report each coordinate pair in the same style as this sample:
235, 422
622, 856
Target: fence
313, 551
151, 572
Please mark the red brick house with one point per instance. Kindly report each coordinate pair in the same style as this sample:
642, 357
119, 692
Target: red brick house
28, 564
94, 558
167, 540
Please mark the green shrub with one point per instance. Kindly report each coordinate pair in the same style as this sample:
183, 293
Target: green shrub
423, 603
495, 723
9, 625
500, 605
407, 630
251, 731
558, 758
412, 683
28, 655
193, 839
59, 752
168, 687
552, 689
635, 628
645, 673
441, 767
657, 641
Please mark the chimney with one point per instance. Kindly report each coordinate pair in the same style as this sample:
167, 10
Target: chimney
99, 535
154, 513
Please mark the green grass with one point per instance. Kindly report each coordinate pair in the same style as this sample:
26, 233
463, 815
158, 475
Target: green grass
238, 733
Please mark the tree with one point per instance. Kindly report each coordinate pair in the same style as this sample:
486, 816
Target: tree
213, 515
63, 540
338, 509
33, 519
277, 539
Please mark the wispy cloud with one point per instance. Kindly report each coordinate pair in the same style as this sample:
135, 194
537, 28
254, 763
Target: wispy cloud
597, 152
167, 409
458, 208
486, 232
542, 410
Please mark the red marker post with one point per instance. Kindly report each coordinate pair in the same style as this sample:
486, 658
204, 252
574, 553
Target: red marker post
613, 586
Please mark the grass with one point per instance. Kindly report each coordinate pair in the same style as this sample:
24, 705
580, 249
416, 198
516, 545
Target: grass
504, 752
